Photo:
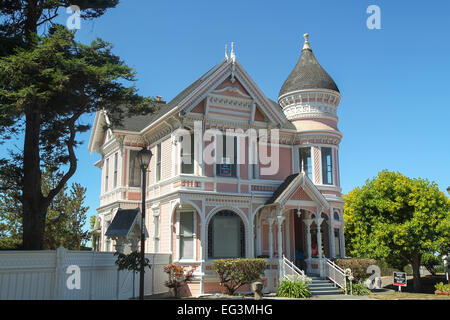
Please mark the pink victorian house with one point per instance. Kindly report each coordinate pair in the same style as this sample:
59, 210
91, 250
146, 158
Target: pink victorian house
286, 206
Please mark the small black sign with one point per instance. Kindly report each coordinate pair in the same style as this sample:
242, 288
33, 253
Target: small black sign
400, 279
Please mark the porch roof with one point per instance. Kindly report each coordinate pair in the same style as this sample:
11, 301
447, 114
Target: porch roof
123, 222
290, 185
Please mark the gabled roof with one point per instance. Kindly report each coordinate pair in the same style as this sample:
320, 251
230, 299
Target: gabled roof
123, 222
140, 122
307, 74
190, 97
291, 184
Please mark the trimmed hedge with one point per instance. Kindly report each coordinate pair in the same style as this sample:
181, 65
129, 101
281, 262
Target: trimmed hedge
234, 273
358, 265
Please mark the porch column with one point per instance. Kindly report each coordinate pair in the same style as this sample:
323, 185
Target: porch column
271, 221
342, 242
331, 235
251, 242
319, 243
308, 237
319, 237
280, 220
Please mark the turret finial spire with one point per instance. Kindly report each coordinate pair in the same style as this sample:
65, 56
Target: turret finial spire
232, 54
226, 52
306, 45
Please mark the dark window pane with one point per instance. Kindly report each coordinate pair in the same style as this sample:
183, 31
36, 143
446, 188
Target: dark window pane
135, 170
327, 166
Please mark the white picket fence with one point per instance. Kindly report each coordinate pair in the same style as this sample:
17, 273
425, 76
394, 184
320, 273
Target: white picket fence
30, 275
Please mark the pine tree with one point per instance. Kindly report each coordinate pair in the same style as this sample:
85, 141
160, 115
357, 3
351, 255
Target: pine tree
47, 83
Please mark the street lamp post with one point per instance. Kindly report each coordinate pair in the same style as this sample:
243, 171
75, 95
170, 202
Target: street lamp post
144, 157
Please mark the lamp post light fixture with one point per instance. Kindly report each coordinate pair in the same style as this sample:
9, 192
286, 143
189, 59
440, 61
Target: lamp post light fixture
448, 189
144, 156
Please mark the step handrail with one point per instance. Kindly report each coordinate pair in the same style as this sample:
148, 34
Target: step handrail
296, 270
332, 275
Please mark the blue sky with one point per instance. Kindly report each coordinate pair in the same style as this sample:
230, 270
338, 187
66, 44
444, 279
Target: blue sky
394, 111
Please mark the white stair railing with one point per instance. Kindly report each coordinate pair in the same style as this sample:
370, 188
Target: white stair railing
336, 274
291, 271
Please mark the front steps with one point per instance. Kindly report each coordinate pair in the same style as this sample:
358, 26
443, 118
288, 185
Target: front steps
323, 287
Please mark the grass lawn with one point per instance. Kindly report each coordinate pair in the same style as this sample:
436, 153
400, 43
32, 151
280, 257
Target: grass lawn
427, 291
408, 295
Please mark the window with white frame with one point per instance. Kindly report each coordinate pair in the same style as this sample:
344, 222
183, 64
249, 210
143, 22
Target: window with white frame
107, 239
253, 157
134, 169
106, 175
327, 166
226, 236
187, 156
337, 242
187, 235
116, 164
336, 216
156, 233
305, 160
227, 166
158, 162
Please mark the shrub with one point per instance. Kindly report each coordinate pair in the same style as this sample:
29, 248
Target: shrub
178, 275
357, 265
293, 289
442, 287
131, 261
234, 273
358, 289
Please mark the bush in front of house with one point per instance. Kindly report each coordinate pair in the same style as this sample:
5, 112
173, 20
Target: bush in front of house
234, 273
293, 289
178, 275
357, 265
357, 289
441, 287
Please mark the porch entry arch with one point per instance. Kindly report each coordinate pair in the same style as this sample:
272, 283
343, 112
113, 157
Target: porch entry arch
226, 235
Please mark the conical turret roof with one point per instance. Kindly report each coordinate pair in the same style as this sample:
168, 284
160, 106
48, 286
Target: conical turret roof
308, 74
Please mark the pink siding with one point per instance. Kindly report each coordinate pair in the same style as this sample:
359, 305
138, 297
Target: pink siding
227, 187
284, 165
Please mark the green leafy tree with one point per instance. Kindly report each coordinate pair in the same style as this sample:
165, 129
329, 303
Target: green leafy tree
47, 83
64, 225
396, 218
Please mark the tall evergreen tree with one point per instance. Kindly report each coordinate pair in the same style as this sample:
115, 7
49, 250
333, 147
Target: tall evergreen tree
46, 85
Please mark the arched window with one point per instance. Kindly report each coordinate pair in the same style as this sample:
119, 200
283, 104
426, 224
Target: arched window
336, 216
226, 236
